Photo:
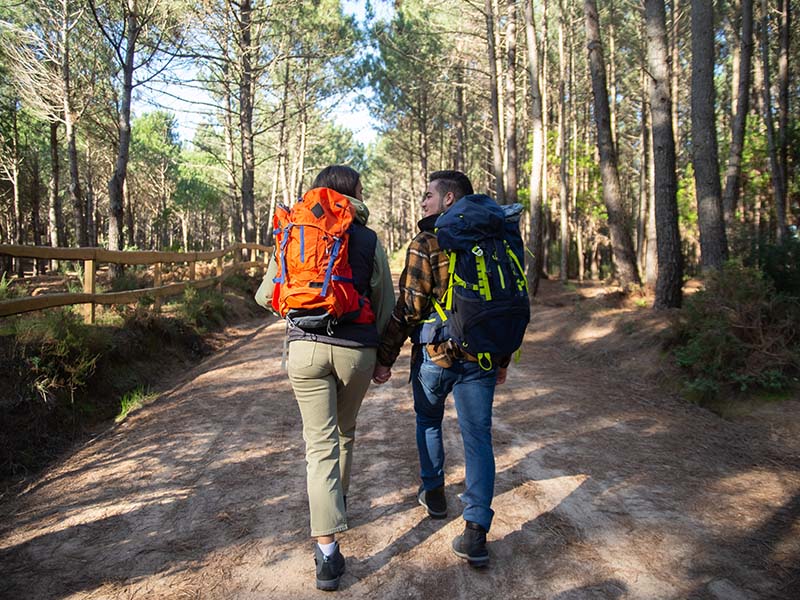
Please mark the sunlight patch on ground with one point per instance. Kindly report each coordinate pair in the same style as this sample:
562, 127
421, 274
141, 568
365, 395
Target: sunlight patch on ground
525, 502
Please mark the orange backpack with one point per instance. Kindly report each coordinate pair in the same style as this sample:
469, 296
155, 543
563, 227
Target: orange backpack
314, 284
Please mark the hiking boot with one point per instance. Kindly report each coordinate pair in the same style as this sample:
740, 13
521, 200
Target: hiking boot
434, 501
472, 545
329, 568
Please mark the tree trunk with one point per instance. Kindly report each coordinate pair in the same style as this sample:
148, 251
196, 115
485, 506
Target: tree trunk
497, 151
730, 196
58, 236
36, 203
612, 70
642, 240
459, 160
670, 259
130, 215
246, 94
233, 195
674, 50
537, 151
511, 176
75, 195
621, 242
116, 183
776, 172
783, 93
563, 196
705, 156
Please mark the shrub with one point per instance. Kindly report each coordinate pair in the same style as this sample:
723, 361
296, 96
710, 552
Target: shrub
60, 352
738, 334
203, 308
781, 263
128, 280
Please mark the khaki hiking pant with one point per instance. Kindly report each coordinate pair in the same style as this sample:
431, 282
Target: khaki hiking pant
329, 383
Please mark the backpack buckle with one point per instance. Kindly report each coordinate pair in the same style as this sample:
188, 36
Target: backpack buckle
477, 250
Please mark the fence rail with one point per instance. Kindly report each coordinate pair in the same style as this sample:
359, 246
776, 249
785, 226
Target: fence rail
91, 257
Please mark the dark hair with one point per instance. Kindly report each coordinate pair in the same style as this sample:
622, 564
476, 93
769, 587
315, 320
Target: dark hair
452, 181
341, 178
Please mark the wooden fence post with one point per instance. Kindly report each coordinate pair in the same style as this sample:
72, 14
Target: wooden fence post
192, 270
218, 272
157, 284
89, 279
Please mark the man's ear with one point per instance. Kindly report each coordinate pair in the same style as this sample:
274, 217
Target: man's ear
449, 199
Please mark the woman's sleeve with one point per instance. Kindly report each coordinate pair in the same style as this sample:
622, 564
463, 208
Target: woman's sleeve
382, 288
267, 288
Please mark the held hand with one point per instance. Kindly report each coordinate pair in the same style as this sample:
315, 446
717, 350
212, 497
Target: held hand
381, 374
501, 375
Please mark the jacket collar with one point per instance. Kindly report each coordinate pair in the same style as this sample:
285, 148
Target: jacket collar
427, 223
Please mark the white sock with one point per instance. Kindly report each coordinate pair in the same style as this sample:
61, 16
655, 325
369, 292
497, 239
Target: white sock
327, 549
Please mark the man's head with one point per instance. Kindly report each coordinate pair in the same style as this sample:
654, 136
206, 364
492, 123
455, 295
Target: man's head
340, 178
444, 189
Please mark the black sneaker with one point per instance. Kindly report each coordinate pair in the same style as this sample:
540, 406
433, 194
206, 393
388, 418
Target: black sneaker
329, 568
434, 500
472, 545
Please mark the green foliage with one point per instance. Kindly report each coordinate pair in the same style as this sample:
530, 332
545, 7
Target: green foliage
60, 352
203, 308
6, 289
781, 263
738, 334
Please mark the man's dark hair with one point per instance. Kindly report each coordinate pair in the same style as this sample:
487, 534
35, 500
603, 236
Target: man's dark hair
341, 178
452, 181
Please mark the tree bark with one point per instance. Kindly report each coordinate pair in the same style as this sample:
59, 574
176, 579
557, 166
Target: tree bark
730, 196
511, 176
537, 151
783, 92
563, 196
705, 155
670, 259
230, 155
58, 236
612, 70
75, 194
776, 172
675, 14
246, 93
497, 147
117, 181
621, 242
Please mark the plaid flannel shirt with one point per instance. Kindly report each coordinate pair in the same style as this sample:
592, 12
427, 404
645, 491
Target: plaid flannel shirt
424, 277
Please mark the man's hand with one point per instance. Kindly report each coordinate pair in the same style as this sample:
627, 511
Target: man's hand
501, 375
381, 374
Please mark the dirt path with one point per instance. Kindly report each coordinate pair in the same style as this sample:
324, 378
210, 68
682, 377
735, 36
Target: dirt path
606, 486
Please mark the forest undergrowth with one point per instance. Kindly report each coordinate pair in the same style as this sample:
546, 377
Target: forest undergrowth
64, 381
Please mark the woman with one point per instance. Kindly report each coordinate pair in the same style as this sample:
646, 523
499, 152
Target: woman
330, 370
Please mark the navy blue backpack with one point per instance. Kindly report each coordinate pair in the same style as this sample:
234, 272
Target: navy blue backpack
486, 308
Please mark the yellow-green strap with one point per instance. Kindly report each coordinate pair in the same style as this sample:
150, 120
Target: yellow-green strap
451, 270
483, 279
514, 258
439, 311
485, 361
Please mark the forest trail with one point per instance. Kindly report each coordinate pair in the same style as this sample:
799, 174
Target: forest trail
607, 486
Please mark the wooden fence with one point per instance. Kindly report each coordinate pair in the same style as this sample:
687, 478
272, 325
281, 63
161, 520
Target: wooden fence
91, 257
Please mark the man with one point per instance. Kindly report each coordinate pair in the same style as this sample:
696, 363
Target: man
437, 368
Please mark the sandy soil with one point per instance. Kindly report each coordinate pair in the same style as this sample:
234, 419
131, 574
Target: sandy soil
608, 486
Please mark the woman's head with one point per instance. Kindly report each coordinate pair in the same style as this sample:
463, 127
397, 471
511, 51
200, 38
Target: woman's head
341, 178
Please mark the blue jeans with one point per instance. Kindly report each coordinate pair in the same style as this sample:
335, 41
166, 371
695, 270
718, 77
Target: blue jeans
473, 392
